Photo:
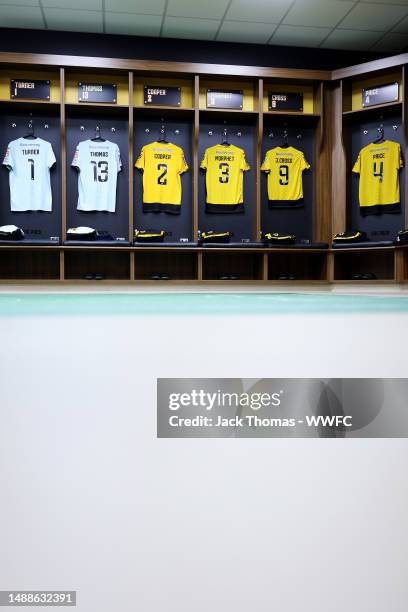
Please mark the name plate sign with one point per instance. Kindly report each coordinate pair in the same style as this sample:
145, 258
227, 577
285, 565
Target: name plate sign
21, 89
380, 95
162, 96
97, 92
285, 101
217, 98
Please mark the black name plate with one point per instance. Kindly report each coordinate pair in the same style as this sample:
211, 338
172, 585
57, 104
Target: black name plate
380, 95
21, 89
162, 96
285, 101
97, 92
217, 98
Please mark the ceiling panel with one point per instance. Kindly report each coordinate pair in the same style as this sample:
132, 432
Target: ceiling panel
20, 2
74, 20
354, 40
258, 33
380, 25
132, 24
210, 9
371, 17
263, 11
143, 7
402, 26
201, 29
392, 42
21, 17
324, 13
89, 5
298, 36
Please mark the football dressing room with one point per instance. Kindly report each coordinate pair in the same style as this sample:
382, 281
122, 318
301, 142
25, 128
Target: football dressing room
204, 305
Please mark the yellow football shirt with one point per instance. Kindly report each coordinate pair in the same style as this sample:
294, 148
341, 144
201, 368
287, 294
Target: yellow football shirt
285, 166
378, 165
162, 164
225, 166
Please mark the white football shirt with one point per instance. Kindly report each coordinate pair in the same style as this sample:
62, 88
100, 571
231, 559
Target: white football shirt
98, 163
29, 162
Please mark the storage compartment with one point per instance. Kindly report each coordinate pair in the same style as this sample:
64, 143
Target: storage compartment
241, 131
297, 266
175, 266
15, 121
27, 264
85, 123
244, 266
176, 127
360, 128
290, 216
348, 264
112, 265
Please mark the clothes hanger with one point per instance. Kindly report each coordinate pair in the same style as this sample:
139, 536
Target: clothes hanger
224, 141
380, 138
30, 135
163, 135
98, 137
285, 143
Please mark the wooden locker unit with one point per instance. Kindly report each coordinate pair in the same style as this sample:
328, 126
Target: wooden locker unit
331, 116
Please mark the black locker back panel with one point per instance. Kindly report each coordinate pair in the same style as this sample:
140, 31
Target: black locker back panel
116, 223
36, 224
386, 222
298, 221
241, 224
177, 225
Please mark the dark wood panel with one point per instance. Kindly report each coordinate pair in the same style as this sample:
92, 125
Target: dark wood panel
114, 266
374, 66
176, 68
29, 264
247, 266
380, 263
338, 181
305, 266
179, 266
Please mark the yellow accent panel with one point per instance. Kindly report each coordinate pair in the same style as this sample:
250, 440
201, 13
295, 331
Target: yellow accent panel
246, 87
72, 80
186, 85
383, 79
307, 90
6, 75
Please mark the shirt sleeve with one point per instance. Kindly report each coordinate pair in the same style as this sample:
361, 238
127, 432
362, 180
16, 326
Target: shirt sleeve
244, 164
400, 158
9, 157
140, 162
204, 161
183, 163
50, 157
357, 165
76, 159
266, 165
118, 159
304, 164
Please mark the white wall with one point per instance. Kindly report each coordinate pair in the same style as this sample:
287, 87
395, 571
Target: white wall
92, 501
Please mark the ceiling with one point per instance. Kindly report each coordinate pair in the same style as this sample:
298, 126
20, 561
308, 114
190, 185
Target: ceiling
376, 25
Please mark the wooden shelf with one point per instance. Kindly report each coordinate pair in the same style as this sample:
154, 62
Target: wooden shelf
363, 249
372, 109
227, 111
378, 281
291, 114
35, 102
